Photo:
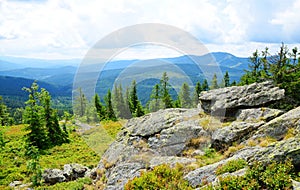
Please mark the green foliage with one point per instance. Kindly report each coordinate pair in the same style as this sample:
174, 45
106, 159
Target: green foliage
205, 86
165, 95
226, 79
155, 99
282, 68
184, 96
15, 166
197, 91
110, 114
161, 177
135, 105
5, 119
80, 103
2, 142
79, 184
42, 120
119, 103
275, 176
214, 82
33, 165
231, 166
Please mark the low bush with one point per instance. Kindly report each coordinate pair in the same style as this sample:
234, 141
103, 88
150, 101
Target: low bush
231, 166
274, 176
161, 177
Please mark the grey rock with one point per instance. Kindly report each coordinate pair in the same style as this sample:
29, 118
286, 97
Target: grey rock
296, 185
228, 100
207, 173
257, 114
278, 127
53, 176
173, 141
74, 171
280, 151
170, 160
120, 174
236, 132
198, 153
15, 183
91, 173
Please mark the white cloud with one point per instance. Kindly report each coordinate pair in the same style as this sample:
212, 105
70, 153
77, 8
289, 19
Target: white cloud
68, 28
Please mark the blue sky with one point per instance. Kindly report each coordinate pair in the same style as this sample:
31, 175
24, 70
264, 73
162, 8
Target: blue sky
57, 29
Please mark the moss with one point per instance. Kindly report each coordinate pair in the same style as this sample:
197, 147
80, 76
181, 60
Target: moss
231, 166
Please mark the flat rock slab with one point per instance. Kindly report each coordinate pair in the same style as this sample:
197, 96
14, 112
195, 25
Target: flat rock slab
228, 100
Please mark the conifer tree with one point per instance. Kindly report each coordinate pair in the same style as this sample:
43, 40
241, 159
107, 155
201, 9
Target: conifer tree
184, 96
100, 109
197, 92
226, 79
4, 115
37, 135
109, 107
214, 82
165, 95
155, 99
205, 86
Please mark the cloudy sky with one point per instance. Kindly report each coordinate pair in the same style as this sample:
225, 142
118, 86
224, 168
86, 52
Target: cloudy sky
56, 29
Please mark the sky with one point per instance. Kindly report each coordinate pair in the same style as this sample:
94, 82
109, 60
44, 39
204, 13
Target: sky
64, 29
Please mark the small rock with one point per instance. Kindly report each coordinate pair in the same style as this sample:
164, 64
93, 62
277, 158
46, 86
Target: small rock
53, 176
15, 183
74, 171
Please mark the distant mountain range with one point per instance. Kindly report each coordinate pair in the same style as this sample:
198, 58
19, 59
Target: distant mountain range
57, 75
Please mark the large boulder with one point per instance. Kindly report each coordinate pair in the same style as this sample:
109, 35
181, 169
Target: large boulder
278, 127
257, 114
236, 132
150, 140
226, 101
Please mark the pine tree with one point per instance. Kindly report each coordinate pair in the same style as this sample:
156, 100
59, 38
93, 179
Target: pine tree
184, 96
155, 100
205, 86
4, 115
165, 95
197, 92
119, 105
133, 97
56, 135
100, 109
80, 103
109, 107
37, 135
226, 79
214, 82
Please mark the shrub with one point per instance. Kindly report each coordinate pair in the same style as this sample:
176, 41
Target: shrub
231, 166
161, 177
274, 176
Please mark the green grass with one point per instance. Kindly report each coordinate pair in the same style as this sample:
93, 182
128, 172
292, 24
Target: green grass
13, 162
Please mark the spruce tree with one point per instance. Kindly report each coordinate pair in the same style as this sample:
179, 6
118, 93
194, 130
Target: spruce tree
109, 107
155, 99
80, 103
37, 135
184, 96
226, 79
197, 92
4, 115
205, 86
100, 109
214, 82
165, 95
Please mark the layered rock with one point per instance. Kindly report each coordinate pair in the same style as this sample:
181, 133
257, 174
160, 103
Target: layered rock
226, 101
149, 141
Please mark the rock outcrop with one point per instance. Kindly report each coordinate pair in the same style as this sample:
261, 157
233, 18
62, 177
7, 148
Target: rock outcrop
151, 140
174, 136
227, 101
71, 172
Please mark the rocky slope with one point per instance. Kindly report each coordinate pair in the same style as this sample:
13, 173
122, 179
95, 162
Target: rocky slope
233, 118
166, 136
